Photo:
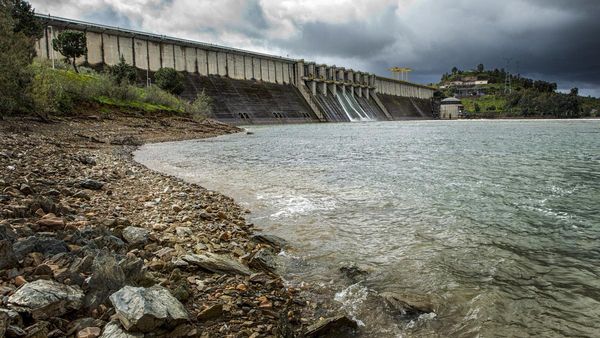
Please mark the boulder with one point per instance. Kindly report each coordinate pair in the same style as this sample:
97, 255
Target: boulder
91, 184
332, 326
44, 245
264, 260
407, 305
114, 330
147, 309
217, 263
107, 277
7, 255
274, 241
44, 299
136, 235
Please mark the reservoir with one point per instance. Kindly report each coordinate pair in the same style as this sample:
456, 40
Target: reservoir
497, 222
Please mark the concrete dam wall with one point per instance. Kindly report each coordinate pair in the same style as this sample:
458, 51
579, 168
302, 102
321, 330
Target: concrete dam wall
249, 87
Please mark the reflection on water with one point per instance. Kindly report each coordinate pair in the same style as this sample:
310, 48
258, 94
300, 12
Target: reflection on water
497, 221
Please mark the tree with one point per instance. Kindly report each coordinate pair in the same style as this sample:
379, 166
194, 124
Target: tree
454, 70
574, 91
477, 107
170, 80
71, 44
15, 56
24, 18
122, 73
480, 68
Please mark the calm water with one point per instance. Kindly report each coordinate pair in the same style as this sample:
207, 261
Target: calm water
497, 221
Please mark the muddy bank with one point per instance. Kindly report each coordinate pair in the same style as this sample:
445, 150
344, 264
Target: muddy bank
87, 236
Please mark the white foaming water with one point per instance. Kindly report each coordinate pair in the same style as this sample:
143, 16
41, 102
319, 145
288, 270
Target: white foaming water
496, 221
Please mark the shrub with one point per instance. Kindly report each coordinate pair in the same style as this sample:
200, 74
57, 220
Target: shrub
155, 95
16, 53
170, 80
201, 107
491, 108
71, 44
122, 73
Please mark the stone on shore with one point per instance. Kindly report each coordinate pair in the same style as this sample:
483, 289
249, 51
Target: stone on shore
91, 184
135, 235
217, 263
7, 255
89, 332
114, 330
326, 327
44, 299
407, 305
51, 221
274, 241
43, 245
147, 309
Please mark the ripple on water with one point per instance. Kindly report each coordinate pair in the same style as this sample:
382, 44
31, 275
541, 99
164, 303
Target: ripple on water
498, 220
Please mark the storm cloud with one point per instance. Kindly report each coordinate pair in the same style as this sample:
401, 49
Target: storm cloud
552, 40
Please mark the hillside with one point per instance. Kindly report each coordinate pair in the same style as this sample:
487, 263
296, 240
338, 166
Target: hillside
484, 93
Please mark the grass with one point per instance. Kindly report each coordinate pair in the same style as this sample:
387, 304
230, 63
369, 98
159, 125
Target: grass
61, 90
485, 103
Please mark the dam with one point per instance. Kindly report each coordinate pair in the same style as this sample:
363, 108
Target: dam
249, 87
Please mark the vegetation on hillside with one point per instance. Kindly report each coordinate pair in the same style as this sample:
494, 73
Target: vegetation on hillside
34, 86
527, 98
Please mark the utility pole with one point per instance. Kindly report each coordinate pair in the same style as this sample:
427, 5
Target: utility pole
507, 78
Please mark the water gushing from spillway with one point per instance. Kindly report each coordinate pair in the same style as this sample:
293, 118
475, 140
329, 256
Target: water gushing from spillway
352, 108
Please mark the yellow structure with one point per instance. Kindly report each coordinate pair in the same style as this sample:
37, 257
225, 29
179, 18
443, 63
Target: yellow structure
401, 73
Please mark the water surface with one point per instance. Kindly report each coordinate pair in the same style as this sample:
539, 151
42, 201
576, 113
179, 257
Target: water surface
496, 221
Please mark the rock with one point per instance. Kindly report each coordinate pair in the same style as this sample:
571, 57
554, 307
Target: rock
89, 332
133, 269
135, 235
353, 271
43, 245
20, 280
147, 309
8, 259
7, 233
114, 330
51, 221
176, 208
107, 277
38, 330
274, 241
264, 260
217, 263
91, 184
25, 189
407, 305
211, 312
44, 299
326, 327
4, 322
82, 194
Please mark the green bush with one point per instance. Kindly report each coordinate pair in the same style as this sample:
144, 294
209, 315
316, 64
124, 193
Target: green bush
16, 53
122, 73
201, 107
155, 95
170, 80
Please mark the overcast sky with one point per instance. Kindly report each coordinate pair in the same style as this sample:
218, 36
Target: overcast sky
553, 40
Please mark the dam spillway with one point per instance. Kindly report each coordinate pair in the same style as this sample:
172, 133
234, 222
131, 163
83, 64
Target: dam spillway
249, 87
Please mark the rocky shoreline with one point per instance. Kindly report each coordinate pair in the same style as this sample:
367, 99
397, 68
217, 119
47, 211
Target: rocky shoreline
93, 244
